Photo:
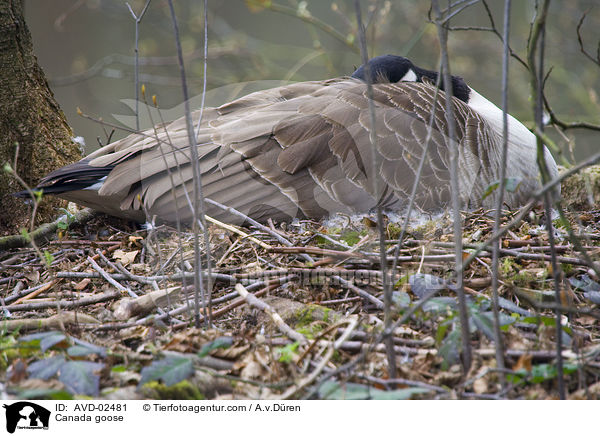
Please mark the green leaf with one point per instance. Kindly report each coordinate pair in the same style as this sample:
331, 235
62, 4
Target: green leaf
287, 353
441, 331
38, 193
350, 237
402, 280
68, 214
45, 394
450, 349
46, 368
509, 305
46, 339
591, 289
78, 351
397, 394
81, 378
586, 284
170, 370
25, 234
221, 342
518, 377
545, 371
423, 284
48, 257
546, 320
440, 305
483, 324
511, 184
489, 189
332, 390
561, 223
83, 348
401, 299
541, 373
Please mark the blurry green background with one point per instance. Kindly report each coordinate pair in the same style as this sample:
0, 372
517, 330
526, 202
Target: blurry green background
86, 49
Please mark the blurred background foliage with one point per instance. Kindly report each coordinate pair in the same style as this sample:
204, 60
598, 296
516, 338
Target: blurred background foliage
86, 48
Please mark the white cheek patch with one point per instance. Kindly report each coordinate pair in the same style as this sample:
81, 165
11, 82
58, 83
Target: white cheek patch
410, 76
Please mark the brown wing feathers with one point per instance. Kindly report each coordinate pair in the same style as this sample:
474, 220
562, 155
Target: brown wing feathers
299, 150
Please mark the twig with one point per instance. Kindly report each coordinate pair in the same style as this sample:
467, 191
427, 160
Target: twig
596, 59
38, 291
535, 47
457, 220
66, 305
149, 279
345, 283
254, 223
279, 322
500, 199
530, 204
376, 158
45, 231
198, 199
307, 17
109, 279
352, 323
138, 20
237, 231
58, 321
404, 381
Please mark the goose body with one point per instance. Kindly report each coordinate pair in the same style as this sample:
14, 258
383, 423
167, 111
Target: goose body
303, 150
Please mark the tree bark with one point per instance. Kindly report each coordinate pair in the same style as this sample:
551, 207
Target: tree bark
30, 121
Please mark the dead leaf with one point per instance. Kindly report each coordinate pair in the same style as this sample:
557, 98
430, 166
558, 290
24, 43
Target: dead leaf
34, 384
136, 241
369, 223
480, 386
82, 284
125, 257
524, 362
32, 276
17, 371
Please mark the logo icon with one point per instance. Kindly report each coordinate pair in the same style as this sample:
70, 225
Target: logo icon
26, 415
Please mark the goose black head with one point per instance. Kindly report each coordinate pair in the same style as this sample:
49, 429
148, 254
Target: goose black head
392, 69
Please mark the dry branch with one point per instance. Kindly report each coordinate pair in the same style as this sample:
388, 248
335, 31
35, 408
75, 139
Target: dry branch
43, 233
58, 321
281, 325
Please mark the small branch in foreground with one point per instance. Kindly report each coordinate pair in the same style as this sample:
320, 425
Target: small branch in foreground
279, 322
43, 233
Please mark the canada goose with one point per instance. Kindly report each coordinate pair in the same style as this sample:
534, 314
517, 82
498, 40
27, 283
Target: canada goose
303, 150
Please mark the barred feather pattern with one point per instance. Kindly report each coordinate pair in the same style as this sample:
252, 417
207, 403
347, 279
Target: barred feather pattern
303, 150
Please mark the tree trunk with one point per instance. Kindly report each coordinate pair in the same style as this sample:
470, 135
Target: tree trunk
30, 121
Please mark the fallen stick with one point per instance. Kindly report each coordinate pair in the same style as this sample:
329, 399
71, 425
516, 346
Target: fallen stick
37, 292
44, 232
85, 301
128, 308
364, 294
237, 232
280, 323
57, 321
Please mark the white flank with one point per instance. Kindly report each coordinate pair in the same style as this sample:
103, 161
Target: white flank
522, 143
